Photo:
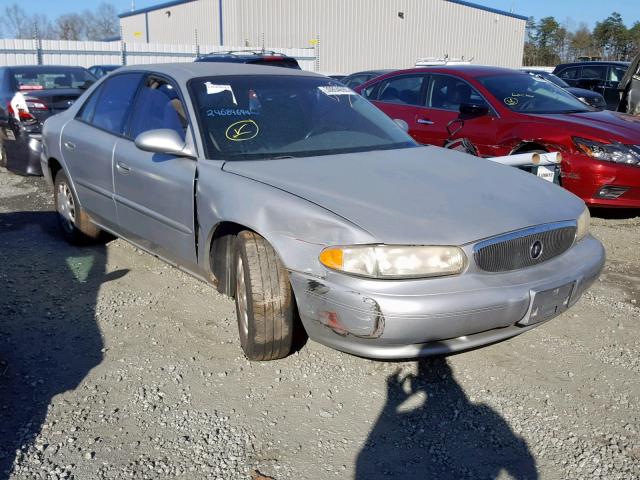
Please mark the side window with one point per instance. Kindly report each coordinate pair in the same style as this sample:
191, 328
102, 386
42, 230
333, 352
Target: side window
594, 72
86, 111
570, 73
357, 81
404, 90
616, 73
158, 106
112, 109
448, 93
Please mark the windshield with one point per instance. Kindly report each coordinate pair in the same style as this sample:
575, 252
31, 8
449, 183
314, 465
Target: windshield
271, 116
525, 93
45, 79
552, 78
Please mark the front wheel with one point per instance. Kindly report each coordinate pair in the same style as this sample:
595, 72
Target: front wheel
264, 300
74, 222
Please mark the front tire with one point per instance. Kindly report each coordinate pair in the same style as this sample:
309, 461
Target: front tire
264, 300
74, 222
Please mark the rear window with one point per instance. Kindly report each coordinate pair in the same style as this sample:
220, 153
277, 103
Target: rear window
277, 62
42, 79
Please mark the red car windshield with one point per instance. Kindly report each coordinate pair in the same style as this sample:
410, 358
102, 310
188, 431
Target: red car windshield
524, 93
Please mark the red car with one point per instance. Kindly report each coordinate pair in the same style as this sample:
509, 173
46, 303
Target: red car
506, 111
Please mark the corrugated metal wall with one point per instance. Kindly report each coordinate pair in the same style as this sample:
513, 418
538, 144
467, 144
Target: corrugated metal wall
85, 54
353, 34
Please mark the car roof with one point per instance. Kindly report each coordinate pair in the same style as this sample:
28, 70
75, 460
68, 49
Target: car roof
188, 70
47, 68
594, 62
468, 70
380, 71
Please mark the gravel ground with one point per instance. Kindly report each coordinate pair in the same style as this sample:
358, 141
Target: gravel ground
114, 365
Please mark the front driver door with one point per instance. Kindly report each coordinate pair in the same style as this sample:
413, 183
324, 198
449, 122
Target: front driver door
444, 95
154, 192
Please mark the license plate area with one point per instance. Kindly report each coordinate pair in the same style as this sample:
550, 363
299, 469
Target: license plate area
546, 304
547, 173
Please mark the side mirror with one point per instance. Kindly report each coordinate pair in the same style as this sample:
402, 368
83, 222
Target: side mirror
164, 140
469, 110
402, 124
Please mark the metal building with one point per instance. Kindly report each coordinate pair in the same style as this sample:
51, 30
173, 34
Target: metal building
349, 35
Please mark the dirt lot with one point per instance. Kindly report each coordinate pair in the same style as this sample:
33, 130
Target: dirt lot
114, 365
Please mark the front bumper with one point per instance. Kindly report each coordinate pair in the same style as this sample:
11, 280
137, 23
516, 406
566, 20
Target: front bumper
414, 318
586, 178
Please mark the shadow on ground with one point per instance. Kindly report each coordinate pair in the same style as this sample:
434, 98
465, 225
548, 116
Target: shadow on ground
429, 429
615, 213
49, 339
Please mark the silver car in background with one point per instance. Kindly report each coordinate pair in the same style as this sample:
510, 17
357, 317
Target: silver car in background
313, 209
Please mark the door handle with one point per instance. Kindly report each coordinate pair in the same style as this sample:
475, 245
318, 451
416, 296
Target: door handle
123, 167
424, 121
69, 145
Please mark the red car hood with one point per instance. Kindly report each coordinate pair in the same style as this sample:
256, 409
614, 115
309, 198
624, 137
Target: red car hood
604, 125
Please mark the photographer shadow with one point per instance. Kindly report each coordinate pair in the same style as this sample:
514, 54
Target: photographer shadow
429, 429
49, 337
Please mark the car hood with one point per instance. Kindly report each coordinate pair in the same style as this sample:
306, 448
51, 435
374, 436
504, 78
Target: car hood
601, 125
582, 92
424, 195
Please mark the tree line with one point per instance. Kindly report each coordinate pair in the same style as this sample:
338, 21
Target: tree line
98, 24
548, 42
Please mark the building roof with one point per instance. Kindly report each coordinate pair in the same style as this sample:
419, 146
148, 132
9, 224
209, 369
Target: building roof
159, 6
488, 9
459, 2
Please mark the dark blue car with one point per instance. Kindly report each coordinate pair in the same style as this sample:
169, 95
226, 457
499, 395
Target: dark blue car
255, 57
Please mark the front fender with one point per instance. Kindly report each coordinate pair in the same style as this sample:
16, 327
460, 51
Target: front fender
297, 229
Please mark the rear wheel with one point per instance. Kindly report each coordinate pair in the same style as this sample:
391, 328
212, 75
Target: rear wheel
74, 222
264, 300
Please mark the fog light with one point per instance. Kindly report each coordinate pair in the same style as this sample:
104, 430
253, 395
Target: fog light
611, 193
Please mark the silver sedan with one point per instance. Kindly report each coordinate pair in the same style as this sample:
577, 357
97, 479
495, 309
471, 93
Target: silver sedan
296, 196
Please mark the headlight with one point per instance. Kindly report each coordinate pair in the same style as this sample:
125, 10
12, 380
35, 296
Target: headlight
583, 224
583, 100
390, 261
609, 152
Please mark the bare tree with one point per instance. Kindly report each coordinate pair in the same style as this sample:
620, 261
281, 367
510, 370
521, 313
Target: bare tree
71, 26
19, 24
102, 23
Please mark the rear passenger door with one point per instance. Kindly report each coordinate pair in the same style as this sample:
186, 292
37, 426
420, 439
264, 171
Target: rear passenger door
88, 142
154, 192
401, 97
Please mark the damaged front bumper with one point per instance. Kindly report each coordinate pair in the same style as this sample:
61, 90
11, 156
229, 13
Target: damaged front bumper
395, 319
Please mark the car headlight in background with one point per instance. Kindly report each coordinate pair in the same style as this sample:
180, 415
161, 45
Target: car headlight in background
391, 261
583, 224
609, 152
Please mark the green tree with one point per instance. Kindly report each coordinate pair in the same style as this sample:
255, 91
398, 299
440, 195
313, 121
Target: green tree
581, 42
612, 37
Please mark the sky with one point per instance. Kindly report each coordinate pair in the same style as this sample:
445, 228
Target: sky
572, 11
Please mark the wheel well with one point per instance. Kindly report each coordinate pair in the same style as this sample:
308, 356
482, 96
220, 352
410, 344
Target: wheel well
221, 253
54, 167
529, 147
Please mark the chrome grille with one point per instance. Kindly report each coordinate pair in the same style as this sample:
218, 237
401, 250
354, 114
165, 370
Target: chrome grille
516, 250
